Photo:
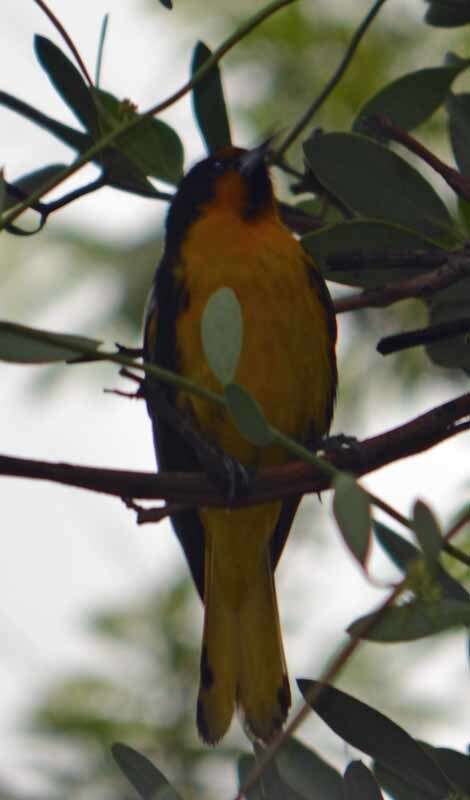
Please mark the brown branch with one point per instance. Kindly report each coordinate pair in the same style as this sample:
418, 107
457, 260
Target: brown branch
195, 489
459, 183
456, 268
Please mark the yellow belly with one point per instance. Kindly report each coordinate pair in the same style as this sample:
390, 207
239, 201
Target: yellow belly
286, 352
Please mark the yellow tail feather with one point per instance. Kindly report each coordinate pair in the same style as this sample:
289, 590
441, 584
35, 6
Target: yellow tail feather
242, 659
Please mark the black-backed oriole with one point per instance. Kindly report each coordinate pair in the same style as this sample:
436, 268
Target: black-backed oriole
223, 229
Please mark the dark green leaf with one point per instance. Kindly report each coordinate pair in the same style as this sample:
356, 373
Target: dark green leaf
209, 103
308, 774
68, 81
450, 305
30, 182
455, 765
376, 183
458, 110
151, 145
373, 733
75, 139
122, 173
351, 508
167, 4
411, 99
22, 345
448, 13
365, 237
399, 549
247, 415
413, 620
222, 333
397, 787
360, 784
144, 776
270, 783
403, 554
427, 532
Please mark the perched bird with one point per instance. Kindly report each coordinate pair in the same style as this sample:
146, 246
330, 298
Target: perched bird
223, 230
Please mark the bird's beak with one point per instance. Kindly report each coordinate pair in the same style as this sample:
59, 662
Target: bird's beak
252, 159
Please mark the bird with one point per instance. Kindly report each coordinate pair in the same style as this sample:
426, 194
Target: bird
223, 229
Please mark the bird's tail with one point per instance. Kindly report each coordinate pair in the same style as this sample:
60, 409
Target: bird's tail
242, 659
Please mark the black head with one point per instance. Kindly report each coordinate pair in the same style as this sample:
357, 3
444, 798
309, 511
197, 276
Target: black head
235, 179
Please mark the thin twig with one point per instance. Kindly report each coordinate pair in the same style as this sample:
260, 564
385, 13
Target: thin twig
420, 336
67, 39
306, 118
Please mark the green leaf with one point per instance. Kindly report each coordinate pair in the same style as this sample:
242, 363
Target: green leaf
413, 620
458, 110
373, 733
411, 99
167, 4
450, 305
399, 549
447, 13
22, 345
403, 554
427, 532
307, 773
68, 81
152, 145
376, 183
454, 764
366, 237
360, 784
351, 507
222, 333
270, 783
247, 415
144, 776
209, 103
71, 137
397, 787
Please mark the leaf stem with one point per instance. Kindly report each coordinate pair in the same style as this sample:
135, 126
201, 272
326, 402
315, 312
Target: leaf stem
99, 57
67, 39
308, 115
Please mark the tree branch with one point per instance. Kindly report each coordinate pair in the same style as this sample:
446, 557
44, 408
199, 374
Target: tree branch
195, 489
456, 268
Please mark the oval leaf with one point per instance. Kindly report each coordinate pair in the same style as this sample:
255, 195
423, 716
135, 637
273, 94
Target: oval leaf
366, 237
445, 14
248, 416
375, 182
411, 99
209, 103
414, 620
222, 333
451, 305
152, 145
373, 733
360, 784
458, 110
22, 345
307, 773
427, 532
144, 776
351, 507
68, 81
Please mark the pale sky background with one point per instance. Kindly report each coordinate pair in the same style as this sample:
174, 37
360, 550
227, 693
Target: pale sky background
68, 552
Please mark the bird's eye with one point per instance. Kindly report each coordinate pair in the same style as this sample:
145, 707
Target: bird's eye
218, 165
